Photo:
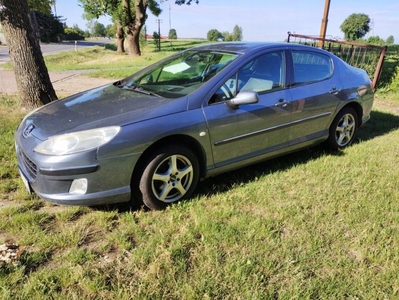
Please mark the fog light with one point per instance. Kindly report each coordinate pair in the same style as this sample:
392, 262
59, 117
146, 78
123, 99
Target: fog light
78, 187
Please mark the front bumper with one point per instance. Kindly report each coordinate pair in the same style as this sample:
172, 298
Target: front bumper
51, 177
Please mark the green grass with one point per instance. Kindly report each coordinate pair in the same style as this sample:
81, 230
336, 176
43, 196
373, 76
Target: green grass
309, 225
103, 61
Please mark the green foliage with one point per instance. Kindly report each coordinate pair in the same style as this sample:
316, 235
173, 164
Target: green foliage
390, 40
74, 33
213, 35
375, 40
99, 30
123, 13
237, 33
96, 28
43, 6
226, 36
110, 30
389, 80
394, 85
157, 40
50, 27
355, 26
172, 34
234, 36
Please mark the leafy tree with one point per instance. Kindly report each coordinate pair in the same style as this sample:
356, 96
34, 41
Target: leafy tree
214, 35
99, 29
78, 29
110, 30
73, 33
157, 40
43, 6
355, 26
31, 74
226, 36
129, 15
50, 28
375, 40
172, 34
237, 33
390, 40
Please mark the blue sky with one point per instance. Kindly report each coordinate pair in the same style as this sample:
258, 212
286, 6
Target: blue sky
260, 20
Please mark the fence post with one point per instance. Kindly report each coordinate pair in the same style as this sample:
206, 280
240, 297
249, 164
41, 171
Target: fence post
378, 70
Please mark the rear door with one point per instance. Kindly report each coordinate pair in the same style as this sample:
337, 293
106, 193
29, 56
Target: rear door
251, 130
315, 95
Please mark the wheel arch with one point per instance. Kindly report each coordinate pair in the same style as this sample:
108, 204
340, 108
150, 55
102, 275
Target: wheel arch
178, 139
358, 109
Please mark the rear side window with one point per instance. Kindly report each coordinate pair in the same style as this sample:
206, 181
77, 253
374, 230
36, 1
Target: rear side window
311, 67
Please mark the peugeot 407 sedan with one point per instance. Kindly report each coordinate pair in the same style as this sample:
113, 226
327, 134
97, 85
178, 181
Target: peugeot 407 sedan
210, 109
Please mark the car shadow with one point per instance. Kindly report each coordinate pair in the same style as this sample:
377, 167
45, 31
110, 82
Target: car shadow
381, 123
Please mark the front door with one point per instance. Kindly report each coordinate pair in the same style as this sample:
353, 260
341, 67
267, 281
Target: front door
252, 129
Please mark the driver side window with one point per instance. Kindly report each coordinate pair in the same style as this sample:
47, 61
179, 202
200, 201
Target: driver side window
264, 73
226, 91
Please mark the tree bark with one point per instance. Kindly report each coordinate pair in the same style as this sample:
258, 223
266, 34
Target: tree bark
135, 25
31, 73
120, 38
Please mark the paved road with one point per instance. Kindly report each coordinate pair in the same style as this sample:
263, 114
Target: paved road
65, 83
55, 48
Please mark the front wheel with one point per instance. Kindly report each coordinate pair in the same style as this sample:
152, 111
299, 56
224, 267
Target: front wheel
170, 175
343, 129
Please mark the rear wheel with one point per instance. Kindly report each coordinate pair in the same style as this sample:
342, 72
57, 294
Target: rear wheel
170, 175
343, 129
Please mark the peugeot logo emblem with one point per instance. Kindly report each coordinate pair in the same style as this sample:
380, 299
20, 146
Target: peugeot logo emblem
28, 130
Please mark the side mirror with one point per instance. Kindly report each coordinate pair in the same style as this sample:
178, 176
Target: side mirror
244, 97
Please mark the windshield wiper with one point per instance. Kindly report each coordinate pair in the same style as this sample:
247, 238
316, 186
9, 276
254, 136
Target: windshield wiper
139, 89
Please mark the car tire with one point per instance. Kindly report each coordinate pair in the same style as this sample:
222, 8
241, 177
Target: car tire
343, 129
170, 175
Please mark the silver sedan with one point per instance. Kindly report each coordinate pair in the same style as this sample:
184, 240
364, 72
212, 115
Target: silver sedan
151, 137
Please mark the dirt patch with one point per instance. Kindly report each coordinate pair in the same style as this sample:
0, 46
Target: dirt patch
386, 105
64, 83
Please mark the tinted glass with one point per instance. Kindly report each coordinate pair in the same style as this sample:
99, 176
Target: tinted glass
311, 67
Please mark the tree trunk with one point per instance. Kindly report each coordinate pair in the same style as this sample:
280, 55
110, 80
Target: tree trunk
134, 26
31, 73
120, 38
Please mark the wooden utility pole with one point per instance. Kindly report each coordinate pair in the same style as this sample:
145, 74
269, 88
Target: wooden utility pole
324, 22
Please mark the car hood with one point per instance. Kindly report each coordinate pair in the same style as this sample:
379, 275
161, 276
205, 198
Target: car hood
104, 106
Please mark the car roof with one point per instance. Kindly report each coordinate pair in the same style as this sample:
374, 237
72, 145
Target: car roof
248, 47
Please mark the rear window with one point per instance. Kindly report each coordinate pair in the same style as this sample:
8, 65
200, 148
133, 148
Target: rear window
311, 67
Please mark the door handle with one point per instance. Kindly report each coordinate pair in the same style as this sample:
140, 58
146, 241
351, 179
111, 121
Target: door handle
281, 103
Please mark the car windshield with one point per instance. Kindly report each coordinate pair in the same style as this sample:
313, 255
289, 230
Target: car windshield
180, 75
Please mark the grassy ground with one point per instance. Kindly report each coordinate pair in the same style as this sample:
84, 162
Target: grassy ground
309, 225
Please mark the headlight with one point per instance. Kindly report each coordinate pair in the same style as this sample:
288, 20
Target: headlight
75, 142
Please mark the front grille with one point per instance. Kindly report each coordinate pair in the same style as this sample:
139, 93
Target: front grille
29, 165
